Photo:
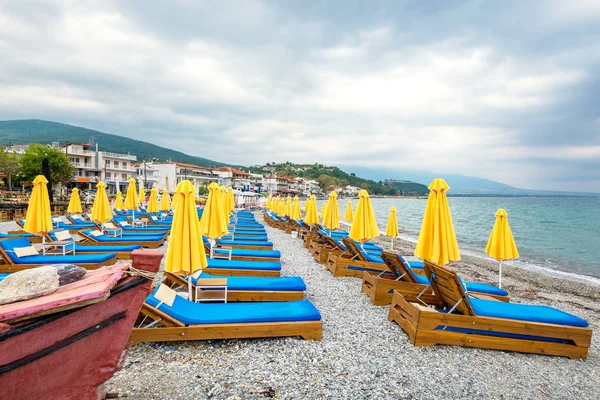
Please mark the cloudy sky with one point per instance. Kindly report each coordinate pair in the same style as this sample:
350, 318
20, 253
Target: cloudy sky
498, 89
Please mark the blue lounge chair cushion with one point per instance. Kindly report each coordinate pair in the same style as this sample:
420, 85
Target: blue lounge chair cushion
246, 238
379, 260
470, 286
287, 284
250, 253
243, 243
84, 225
16, 235
525, 312
250, 265
106, 249
106, 238
10, 244
191, 313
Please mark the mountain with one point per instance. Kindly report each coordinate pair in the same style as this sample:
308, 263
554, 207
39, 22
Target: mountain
45, 132
459, 184
330, 177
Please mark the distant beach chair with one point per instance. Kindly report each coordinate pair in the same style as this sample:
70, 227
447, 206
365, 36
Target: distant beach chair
123, 252
182, 319
480, 321
97, 238
411, 284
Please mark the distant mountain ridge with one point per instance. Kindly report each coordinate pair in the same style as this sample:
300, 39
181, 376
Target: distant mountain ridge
45, 132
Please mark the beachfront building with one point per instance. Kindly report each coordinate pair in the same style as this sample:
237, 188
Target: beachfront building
307, 187
281, 185
350, 190
147, 173
171, 173
240, 180
92, 165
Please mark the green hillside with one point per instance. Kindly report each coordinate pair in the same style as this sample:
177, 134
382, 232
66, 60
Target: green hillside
330, 176
40, 131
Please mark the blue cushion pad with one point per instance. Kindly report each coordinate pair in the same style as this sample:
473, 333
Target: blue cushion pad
11, 244
243, 243
76, 226
251, 253
191, 313
251, 265
107, 238
525, 312
471, 286
108, 249
246, 238
257, 283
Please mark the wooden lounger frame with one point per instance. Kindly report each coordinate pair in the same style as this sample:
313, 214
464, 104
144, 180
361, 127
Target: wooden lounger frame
241, 295
90, 241
338, 263
8, 265
174, 330
427, 327
247, 247
379, 287
137, 230
241, 258
321, 251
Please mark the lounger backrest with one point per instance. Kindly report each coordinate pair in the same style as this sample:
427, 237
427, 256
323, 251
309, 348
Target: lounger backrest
332, 243
448, 288
354, 250
397, 266
7, 248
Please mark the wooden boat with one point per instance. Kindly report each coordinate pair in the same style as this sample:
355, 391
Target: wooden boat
68, 352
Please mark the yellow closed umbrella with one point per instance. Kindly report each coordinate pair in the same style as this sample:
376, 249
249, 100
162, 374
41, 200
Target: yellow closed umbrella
230, 199
38, 219
101, 208
268, 203
212, 224
131, 198
323, 210
311, 217
437, 240
391, 229
501, 244
288, 207
348, 214
296, 214
142, 195
224, 204
185, 254
279, 208
119, 201
153, 201
275, 205
164, 201
364, 227
74, 203
331, 220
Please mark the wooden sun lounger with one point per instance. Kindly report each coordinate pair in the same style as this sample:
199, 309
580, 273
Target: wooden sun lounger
121, 255
338, 263
239, 245
174, 330
8, 265
426, 326
239, 257
380, 286
239, 295
91, 241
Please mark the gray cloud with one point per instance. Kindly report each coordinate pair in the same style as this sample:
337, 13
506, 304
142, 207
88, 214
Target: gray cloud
502, 90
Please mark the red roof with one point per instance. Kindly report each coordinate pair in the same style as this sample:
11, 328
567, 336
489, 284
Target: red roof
235, 171
179, 164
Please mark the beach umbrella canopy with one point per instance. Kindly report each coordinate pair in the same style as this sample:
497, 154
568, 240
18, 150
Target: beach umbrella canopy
268, 203
142, 195
311, 217
230, 199
364, 227
153, 201
331, 220
348, 214
38, 219
212, 224
288, 207
74, 203
437, 240
185, 254
296, 214
224, 204
119, 201
131, 198
164, 201
501, 244
391, 229
101, 208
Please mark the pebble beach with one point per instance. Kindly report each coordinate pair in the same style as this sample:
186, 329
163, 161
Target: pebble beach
362, 355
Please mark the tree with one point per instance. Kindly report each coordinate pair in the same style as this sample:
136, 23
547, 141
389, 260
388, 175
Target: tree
202, 191
61, 170
9, 165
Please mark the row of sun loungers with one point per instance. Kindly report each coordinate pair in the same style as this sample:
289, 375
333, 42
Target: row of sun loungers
433, 305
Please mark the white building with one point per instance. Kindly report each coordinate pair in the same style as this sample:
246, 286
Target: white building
351, 190
92, 165
147, 173
171, 173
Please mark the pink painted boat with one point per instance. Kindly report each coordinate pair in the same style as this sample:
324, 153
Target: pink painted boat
75, 340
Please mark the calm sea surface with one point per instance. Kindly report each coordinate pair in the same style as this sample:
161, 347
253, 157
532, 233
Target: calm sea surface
559, 233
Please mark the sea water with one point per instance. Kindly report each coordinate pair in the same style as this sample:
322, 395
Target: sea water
552, 233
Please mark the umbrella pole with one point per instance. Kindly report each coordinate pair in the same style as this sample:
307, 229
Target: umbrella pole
392, 245
500, 276
190, 287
